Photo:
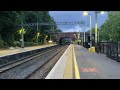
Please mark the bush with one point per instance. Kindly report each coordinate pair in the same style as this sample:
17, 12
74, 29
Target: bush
17, 43
1, 43
10, 42
36, 44
41, 43
27, 44
5, 44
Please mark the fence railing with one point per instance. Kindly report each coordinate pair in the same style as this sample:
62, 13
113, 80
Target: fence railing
111, 49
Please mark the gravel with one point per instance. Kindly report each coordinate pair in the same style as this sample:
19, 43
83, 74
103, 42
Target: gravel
20, 72
42, 72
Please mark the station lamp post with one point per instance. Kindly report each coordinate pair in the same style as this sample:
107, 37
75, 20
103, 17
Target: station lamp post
50, 41
46, 38
38, 34
75, 36
78, 34
85, 13
22, 31
96, 26
84, 33
79, 37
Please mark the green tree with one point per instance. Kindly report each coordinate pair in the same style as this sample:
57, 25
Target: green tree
111, 28
10, 22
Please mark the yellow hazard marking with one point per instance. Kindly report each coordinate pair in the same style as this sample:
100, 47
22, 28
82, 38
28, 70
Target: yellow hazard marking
68, 74
77, 74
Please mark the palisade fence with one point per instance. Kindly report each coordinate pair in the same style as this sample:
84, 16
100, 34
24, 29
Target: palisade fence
103, 46
111, 49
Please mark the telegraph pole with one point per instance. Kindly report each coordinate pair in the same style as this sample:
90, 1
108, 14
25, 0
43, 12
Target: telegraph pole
96, 31
90, 33
96, 26
78, 36
84, 33
50, 33
22, 45
98, 36
37, 32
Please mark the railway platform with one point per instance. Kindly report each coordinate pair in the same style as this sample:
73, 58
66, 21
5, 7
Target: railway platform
18, 50
78, 63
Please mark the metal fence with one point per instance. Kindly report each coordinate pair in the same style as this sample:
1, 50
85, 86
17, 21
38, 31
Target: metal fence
103, 46
86, 45
111, 49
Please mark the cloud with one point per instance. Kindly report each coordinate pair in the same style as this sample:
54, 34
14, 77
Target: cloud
71, 16
74, 29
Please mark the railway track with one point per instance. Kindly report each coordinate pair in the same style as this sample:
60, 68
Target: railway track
25, 68
43, 71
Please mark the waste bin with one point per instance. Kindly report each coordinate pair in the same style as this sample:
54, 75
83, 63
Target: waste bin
93, 49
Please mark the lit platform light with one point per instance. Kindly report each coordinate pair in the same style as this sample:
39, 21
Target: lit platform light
50, 41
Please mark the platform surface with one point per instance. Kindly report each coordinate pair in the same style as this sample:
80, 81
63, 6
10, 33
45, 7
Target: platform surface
78, 63
18, 50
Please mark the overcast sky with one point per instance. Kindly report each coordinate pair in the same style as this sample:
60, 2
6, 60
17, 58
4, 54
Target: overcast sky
69, 16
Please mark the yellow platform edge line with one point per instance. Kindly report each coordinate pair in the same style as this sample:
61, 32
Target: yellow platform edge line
68, 70
77, 73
